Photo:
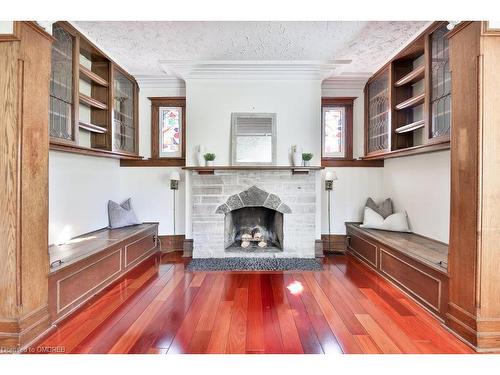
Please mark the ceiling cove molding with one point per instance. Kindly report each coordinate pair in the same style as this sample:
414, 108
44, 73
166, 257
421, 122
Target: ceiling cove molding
159, 82
246, 69
345, 83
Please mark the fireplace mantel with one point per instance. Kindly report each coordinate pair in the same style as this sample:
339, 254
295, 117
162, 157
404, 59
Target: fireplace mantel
211, 170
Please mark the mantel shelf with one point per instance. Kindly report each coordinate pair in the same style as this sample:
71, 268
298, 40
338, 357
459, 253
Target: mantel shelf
294, 170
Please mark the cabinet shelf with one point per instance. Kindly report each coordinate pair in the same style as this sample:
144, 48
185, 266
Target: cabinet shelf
92, 128
89, 75
414, 76
411, 127
412, 102
92, 102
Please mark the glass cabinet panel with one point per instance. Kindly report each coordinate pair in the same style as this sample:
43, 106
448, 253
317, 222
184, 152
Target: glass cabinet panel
61, 86
378, 114
123, 114
440, 84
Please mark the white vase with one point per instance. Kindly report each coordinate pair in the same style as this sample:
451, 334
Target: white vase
297, 156
209, 163
199, 155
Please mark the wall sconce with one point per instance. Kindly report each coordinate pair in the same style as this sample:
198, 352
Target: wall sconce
330, 176
175, 177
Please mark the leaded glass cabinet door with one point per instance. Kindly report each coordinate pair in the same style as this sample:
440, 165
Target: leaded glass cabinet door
440, 84
378, 114
61, 106
124, 126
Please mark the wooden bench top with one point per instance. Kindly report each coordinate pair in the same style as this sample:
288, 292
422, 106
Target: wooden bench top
420, 248
83, 246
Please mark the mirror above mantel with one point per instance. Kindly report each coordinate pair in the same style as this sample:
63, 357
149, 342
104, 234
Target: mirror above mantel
253, 139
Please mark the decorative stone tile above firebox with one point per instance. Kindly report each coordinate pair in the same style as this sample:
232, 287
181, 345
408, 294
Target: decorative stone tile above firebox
213, 196
253, 197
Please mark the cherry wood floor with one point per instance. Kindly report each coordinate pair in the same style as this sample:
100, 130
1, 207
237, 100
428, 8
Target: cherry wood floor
346, 308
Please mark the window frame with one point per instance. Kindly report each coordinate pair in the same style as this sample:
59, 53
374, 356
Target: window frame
156, 104
347, 103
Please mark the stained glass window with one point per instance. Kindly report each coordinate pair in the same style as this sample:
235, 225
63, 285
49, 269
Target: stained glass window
170, 131
334, 122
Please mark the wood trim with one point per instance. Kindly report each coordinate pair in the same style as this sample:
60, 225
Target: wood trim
148, 236
91, 151
91, 102
250, 168
16, 33
163, 162
327, 162
171, 243
400, 282
156, 103
337, 243
421, 149
348, 104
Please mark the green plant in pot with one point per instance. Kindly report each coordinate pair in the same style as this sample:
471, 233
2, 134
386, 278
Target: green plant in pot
306, 158
209, 159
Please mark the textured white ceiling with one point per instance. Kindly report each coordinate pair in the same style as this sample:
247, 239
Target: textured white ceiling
138, 46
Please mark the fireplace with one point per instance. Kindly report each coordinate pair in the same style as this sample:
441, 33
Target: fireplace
253, 229
275, 208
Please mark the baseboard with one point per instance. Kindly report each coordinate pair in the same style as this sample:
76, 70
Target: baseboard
188, 248
15, 334
171, 243
334, 243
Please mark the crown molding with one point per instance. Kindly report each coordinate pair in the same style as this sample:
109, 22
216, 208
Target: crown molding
146, 81
245, 69
345, 82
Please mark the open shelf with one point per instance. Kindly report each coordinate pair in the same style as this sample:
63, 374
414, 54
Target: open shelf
92, 128
411, 127
414, 76
92, 102
89, 75
412, 102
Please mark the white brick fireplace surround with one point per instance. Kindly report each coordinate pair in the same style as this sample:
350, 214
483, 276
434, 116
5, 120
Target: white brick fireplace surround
212, 196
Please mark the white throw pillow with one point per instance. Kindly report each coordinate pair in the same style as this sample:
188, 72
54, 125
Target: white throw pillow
397, 222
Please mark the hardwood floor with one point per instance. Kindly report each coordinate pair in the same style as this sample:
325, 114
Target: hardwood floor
346, 308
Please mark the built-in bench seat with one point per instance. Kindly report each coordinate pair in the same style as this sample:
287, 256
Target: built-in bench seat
89, 263
416, 264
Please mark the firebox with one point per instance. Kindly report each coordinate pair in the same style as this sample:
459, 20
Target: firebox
253, 229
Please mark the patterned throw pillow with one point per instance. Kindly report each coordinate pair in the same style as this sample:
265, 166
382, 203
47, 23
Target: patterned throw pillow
121, 215
384, 209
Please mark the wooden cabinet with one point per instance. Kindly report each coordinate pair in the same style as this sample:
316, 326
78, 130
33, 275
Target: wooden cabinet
125, 130
378, 114
474, 261
93, 102
24, 140
407, 102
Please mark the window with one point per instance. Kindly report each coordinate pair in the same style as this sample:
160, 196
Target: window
168, 126
336, 119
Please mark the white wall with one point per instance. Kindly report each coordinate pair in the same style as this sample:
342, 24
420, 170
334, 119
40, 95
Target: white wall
421, 185
79, 189
297, 105
149, 187
349, 195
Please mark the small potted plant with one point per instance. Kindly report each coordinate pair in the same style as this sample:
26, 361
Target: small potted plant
209, 159
306, 157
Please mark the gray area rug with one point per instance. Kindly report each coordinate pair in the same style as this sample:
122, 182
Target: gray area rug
254, 264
